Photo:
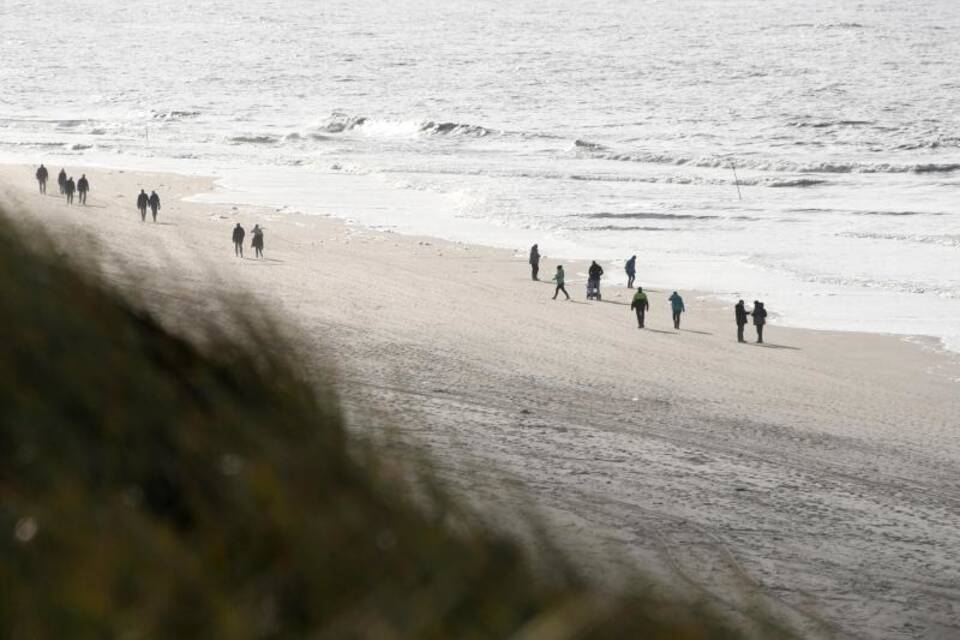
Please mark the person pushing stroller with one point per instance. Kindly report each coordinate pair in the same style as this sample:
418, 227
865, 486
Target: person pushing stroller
593, 281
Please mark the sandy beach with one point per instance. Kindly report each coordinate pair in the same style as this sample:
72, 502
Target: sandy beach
817, 476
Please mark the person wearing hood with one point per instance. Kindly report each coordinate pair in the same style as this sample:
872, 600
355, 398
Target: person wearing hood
83, 185
69, 188
154, 202
759, 314
257, 242
42, 175
62, 181
559, 278
640, 304
631, 268
676, 305
142, 201
238, 235
741, 314
535, 262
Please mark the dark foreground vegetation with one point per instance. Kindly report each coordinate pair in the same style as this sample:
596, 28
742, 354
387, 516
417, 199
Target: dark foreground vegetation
154, 485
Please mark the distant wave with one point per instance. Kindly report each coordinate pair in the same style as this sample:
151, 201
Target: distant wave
646, 216
898, 213
611, 227
944, 241
339, 122
262, 139
174, 115
786, 166
455, 129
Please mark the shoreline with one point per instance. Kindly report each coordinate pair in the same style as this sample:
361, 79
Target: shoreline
213, 196
821, 471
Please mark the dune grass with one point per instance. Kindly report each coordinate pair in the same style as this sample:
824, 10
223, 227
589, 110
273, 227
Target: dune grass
158, 485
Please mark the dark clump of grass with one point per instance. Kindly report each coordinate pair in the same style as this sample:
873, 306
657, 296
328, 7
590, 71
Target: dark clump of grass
155, 485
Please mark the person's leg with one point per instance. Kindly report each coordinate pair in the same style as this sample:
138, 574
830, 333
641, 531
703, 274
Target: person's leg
564, 289
759, 334
535, 270
556, 291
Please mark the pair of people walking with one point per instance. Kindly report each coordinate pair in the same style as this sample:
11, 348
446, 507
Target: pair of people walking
759, 315
144, 201
239, 233
641, 304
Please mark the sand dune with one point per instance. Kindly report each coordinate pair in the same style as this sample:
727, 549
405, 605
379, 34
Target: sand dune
819, 474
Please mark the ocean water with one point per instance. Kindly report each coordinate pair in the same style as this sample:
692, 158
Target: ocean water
803, 153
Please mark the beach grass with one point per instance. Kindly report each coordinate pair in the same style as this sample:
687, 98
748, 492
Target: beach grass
159, 483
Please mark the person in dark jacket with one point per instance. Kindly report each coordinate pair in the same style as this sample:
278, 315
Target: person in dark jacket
535, 262
154, 204
759, 314
559, 279
676, 305
142, 201
238, 235
640, 304
83, 185
631, 268
741, 314
42, 175
69, 188
593, 280
62, 181
257, 243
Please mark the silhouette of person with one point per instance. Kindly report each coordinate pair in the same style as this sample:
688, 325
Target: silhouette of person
142, 201
594, 273
257, 242
759, 314
631, 268
82, 187
535, 262
69, 188
62, 181
640, 304
154, 204
42, 175
559, 279
676, 304
238, 235
741, 314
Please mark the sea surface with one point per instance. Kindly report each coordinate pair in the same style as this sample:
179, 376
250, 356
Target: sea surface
805, 153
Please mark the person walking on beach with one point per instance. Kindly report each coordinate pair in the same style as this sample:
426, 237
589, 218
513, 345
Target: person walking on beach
535, 262
42, 175
631, 269
741, 314
593, 280
238, 235
257, 243
154, 204
142, 201
69, 188
640, 304
82, 187
62, 181
759, 314
559, 278
676, 304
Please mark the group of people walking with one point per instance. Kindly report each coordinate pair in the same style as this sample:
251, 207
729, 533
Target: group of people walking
641, 303
68, 187
239, 233
152, 201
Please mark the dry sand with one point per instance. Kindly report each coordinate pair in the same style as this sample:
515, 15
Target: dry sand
818, 476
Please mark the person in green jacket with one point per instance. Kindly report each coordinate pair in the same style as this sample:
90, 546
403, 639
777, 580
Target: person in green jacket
640, 304
558, 278
676, 303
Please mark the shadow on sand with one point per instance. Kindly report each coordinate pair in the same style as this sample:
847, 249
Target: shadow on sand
767, 345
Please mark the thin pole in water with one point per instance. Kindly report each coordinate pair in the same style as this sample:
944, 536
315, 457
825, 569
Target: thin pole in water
737, 180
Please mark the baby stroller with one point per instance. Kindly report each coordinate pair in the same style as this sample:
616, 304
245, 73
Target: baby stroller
593, 288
